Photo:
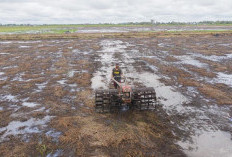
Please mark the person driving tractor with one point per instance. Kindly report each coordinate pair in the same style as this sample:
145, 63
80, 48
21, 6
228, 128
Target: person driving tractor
117, 74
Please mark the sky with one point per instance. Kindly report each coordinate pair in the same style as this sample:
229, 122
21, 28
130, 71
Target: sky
112, 11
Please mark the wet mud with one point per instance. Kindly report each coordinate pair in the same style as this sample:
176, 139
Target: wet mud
47, 97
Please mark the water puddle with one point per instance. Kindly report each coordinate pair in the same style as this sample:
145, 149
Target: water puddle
98, 81
62, 82
10, 67
4, 53
225, 44
191, 61
213, 57
6, 42
41, 86
3, 78
74, 88
168, 96
56, 153
161, 45
54, 134
9, 98
224, 78
29, 104
19, 78
21, 128
22, 46
71, 73
40, 109
209, 144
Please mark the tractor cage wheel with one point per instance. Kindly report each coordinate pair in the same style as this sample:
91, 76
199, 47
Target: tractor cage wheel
144, 98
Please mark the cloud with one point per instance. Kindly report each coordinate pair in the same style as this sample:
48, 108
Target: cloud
112, 11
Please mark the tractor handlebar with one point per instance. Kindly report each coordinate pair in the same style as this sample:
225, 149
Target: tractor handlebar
119, 83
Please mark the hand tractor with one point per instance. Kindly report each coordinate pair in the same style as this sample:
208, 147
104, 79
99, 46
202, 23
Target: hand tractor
124, 97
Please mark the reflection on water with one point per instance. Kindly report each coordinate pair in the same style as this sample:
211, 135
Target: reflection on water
209, 144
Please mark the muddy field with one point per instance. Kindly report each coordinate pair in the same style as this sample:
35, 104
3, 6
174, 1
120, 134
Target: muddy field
47, 96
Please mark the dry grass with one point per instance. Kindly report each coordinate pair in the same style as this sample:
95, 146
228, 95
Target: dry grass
171, 59
212, 92
215, 66
82, 79
167, 69
85, 134
110, 35
20, 148
85, 98
3, 83
188, 82
201, 71
58, 91
221, 97
5, 118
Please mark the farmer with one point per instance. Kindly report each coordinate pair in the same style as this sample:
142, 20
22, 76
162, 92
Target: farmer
116, 74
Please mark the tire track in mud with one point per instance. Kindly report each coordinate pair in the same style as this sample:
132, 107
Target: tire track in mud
194, 121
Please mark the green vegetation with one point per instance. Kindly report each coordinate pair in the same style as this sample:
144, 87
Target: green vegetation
37, 29
62, 31
42, 149
55, 28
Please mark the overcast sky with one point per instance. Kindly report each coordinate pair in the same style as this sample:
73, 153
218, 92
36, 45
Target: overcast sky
112, 11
